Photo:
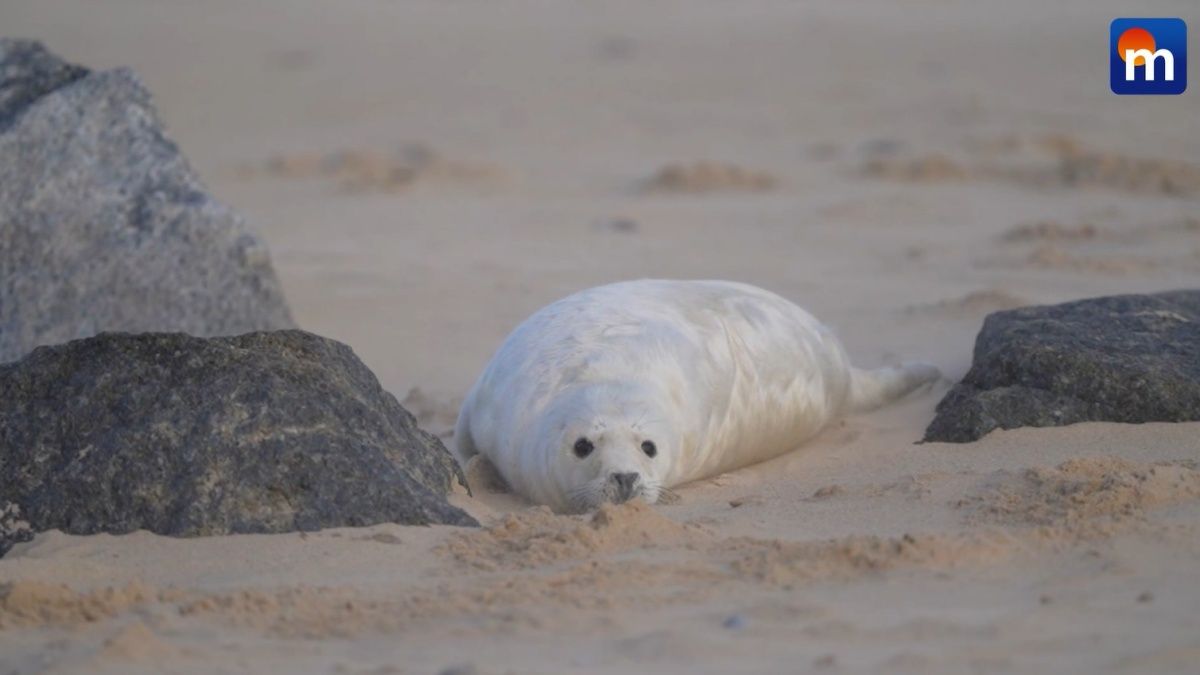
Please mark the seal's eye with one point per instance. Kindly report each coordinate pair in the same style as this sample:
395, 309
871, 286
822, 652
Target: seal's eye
583, 447
649, 448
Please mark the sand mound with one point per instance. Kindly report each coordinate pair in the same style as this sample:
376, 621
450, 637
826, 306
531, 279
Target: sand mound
1145, 247
930, 168
1059, 162
1079, 490
629, 556
786, 563
136, 642
371, 170
1051, 230
589, 578
1052, 257
975, 303
709, 177
296, 611
538, 537
34, 603
1078, 167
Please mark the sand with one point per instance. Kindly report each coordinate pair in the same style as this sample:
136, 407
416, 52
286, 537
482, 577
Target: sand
427, 174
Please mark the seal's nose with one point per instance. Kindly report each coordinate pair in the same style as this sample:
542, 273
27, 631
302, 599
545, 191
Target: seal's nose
626, 482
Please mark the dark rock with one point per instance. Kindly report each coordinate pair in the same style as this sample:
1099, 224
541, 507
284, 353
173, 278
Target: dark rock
27, 73
264, 432
1126, 358
13, 528
104, 225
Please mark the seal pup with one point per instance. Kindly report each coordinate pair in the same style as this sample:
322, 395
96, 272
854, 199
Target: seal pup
624, 390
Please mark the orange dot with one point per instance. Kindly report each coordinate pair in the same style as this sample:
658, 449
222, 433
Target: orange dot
1135, 39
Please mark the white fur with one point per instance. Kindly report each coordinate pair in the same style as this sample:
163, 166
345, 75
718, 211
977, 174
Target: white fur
717, 374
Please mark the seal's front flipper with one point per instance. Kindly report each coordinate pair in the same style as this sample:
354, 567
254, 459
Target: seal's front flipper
483, 476
870, 389
464, 445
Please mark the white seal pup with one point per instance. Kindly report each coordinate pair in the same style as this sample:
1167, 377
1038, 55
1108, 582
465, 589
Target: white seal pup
626, 389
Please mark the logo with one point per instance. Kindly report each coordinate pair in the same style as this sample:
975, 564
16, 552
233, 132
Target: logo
1147, 56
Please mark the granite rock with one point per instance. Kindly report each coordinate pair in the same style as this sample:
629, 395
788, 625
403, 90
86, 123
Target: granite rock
103, 224
263, 432
1126, 358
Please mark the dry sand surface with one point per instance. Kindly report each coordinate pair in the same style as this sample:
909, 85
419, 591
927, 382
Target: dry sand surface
427, 174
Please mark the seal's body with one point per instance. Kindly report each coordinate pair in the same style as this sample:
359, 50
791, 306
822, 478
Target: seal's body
622, 390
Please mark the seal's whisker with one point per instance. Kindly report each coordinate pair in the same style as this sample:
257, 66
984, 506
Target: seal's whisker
667, 492
585, 496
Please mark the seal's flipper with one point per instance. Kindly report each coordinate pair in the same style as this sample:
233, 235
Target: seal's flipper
870, 389
464, 445
483, 476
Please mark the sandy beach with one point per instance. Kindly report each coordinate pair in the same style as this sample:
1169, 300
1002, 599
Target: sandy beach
428, 174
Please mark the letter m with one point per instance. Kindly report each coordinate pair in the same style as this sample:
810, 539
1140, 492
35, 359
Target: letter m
1168, 58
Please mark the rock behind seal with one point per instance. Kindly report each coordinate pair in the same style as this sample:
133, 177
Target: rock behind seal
104, 225
264, 432
1125, 358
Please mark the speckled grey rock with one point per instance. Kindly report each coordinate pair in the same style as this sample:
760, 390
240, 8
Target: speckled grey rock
27, 73
264, 432
1125, 358
104, 225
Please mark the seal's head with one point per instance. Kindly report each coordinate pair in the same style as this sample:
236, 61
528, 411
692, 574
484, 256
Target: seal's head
612, 444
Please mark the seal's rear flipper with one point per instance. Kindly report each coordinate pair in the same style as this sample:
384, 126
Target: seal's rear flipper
870, 389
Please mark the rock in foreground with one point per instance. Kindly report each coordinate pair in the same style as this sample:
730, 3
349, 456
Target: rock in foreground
1126, 358
266, 432
104, 225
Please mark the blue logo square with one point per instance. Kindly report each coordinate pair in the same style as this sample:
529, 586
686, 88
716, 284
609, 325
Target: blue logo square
1147, 56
